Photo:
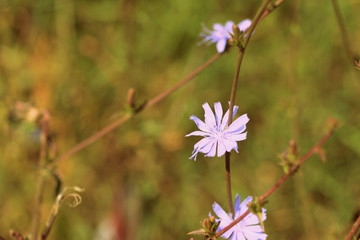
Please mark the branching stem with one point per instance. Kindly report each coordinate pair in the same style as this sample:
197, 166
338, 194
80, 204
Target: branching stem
283, 179
249, 32
126, 117
147, 104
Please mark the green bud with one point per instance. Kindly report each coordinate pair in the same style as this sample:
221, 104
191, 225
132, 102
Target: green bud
237, 32
289, 157
255, 207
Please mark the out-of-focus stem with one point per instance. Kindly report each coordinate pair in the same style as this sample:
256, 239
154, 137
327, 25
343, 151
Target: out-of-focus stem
92, 139
193, 74
353, 230
37, 207
41, 177
271, 8
343, 31
126, 117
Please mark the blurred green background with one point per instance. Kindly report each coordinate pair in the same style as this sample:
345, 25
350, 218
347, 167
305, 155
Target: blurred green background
78, 59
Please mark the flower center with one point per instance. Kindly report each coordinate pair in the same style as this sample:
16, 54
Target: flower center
218, 134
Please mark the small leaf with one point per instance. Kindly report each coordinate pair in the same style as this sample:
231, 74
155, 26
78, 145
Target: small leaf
197, 232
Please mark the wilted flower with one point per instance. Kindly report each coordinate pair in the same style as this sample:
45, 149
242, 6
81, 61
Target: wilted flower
220, 35
218, 137
248, 228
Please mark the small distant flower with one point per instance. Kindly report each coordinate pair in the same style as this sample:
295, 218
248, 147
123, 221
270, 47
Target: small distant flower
220, 35
248, 228
217, 136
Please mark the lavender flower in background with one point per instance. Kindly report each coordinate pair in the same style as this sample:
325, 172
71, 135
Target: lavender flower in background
248, 228
220, 35
217, 136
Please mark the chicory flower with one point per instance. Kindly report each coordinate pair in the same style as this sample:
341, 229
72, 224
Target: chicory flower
220, 35
218, 137
248, 228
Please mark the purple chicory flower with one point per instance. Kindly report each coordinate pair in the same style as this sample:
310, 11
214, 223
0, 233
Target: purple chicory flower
218, 137
220, 35
248, 228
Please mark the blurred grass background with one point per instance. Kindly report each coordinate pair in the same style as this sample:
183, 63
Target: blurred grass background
79, 58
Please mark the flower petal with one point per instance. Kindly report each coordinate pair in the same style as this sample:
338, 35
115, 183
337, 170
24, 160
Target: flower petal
247, 229
230, 144
212, 151
220, 45
221, 213
200, 124
225, 120
225, 220
263, 217
251, 219
195, 152
209, 116
243, 205
237, 205
197, 133
239, 125
203, 144
228, 26
245, 24
221, 149
237, 137
218, 27
200, 146
218, 113
238, 236
217, 137
228, 233
255, 235
209, 148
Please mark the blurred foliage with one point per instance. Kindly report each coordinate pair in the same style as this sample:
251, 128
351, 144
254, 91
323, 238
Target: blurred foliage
78, 59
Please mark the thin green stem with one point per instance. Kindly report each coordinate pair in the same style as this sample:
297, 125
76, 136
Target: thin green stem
41, 178
228, 182
259, 15
240, 57
37, 207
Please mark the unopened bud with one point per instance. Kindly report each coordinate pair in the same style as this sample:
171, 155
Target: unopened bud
236, 31
130, 97
293, 147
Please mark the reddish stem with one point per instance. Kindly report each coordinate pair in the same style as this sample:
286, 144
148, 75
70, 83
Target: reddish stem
353, 230
283, 179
